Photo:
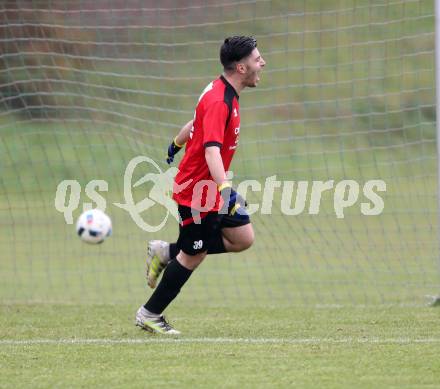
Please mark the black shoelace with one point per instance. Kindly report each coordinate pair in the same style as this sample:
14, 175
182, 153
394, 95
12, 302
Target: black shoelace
165, 323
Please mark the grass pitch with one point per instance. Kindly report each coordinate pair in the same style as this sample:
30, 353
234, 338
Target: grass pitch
47, 345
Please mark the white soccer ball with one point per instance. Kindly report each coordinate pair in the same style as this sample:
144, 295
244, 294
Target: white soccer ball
94, 226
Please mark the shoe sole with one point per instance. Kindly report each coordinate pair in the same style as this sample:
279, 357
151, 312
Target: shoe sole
145, 328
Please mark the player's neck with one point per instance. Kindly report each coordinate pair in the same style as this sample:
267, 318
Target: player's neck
235, 82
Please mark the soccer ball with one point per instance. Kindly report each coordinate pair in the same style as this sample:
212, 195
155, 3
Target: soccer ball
94, 226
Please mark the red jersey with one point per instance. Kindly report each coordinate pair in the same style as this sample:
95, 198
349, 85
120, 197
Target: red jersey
216, 123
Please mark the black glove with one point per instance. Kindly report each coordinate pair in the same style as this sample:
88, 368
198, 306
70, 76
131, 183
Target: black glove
233, 202
173, 149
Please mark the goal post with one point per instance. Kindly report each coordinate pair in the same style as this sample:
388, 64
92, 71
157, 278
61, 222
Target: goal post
338, 149
437, 106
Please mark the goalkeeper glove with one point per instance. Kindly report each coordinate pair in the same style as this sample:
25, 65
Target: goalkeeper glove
173, 149
233, 202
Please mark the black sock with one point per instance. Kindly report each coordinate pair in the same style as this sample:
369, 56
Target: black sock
174, 250
215, 246
174, 277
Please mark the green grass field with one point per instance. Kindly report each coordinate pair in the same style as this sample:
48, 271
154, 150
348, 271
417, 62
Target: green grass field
347, 93
46, 345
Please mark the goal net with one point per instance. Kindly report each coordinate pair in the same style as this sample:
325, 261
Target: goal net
346, 103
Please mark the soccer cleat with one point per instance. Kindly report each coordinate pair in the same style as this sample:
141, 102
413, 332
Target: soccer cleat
157, 259
154, 323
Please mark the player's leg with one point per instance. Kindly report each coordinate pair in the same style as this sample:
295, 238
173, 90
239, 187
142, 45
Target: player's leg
176, 274
193, 239
235, 234
158, 257
239, 238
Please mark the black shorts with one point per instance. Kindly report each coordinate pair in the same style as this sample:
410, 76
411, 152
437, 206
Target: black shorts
194, 237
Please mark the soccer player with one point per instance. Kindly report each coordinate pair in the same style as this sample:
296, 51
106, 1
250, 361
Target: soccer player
213, 218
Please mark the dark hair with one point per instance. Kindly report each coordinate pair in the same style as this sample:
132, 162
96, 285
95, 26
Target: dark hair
236, 48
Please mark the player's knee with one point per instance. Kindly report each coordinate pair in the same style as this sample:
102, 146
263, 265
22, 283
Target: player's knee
191, 262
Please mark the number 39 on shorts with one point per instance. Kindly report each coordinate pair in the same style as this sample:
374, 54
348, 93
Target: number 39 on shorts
198, 244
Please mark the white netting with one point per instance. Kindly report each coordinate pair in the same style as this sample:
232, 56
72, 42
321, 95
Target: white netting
347, 93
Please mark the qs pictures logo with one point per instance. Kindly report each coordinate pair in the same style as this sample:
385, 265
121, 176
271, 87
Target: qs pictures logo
296, 197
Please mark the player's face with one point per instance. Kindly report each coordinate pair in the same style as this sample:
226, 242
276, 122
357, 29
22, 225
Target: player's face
254, 64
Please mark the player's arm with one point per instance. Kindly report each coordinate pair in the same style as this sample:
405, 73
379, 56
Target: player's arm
179, 141
215, 164
183, 135
232, 200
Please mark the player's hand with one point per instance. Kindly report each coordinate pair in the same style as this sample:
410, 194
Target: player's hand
233, 202
173, 149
